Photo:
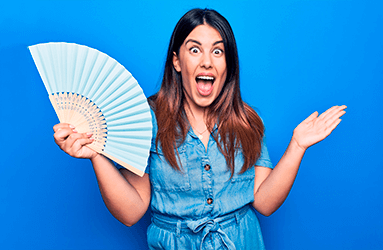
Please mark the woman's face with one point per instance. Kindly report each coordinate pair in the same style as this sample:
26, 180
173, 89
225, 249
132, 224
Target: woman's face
202, 64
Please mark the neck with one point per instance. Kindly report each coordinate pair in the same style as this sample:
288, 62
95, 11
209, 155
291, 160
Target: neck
196, 117
194, 112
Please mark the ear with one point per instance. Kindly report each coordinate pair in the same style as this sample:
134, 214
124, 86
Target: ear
176, 62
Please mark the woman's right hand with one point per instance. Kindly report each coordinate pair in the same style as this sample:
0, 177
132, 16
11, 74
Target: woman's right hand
72, 142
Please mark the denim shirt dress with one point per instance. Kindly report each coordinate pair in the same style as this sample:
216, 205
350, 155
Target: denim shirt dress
200, 207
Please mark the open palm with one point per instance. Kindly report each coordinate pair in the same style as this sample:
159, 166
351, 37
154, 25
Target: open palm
316, 128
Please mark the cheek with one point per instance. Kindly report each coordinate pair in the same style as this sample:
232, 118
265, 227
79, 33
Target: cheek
221, 67
221, 82
186, 82
187, 73
220, 87
185, 77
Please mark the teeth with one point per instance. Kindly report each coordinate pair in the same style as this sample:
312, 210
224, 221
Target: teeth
205, 78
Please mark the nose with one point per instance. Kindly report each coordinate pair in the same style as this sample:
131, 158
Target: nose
206, 61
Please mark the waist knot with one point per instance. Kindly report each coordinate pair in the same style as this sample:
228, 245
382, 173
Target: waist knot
204, 226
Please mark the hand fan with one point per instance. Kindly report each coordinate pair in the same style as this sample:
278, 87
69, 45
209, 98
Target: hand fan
95, 93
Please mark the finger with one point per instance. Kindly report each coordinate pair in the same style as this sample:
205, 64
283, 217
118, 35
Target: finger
62, 134
74, 137
84, 142
328, 111
311, 117
60, 126
79, 144
333, 116
332, 110
339, 109
332, 126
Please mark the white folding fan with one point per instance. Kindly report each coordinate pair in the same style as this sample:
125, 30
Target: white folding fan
95, 93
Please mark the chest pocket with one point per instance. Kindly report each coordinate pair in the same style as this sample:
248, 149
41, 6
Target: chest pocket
163, 177
248, 175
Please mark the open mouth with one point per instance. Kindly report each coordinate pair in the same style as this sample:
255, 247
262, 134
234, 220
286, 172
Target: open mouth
205, 84
205, 78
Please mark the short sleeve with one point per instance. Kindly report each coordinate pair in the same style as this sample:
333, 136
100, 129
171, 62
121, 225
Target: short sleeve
264, 159
154, 134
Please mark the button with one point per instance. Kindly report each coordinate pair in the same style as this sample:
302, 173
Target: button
209, 201
207, 167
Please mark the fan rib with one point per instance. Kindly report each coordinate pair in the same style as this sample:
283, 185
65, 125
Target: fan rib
102, 77
42, 68
127, 102
135, 170
103, 95
80, 70
132, 156
132, 129
89, 64
99, 64
96, 94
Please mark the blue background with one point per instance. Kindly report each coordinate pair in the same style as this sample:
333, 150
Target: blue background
295, 56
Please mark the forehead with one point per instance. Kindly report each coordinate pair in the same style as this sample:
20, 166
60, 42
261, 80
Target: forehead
205, 34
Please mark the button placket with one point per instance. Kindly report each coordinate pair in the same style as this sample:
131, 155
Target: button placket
207, 167
209, 201
208, 181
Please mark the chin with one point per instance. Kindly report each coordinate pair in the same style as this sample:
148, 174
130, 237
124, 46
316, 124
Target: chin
204, 103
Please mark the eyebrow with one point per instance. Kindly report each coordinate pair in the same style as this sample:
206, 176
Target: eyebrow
195, 41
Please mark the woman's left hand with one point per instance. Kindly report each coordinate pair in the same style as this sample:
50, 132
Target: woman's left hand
316, 128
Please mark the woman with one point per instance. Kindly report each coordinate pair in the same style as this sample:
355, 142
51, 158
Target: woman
209, 167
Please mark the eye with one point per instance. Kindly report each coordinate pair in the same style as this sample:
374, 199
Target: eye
194, 50
217, 52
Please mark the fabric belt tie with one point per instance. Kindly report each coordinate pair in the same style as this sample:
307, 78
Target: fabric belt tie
208, 226
205, 225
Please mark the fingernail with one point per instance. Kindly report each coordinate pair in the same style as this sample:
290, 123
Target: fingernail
74, 131
89, 134
71, 126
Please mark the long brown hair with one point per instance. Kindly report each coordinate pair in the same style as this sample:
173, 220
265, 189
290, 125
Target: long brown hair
239, 126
